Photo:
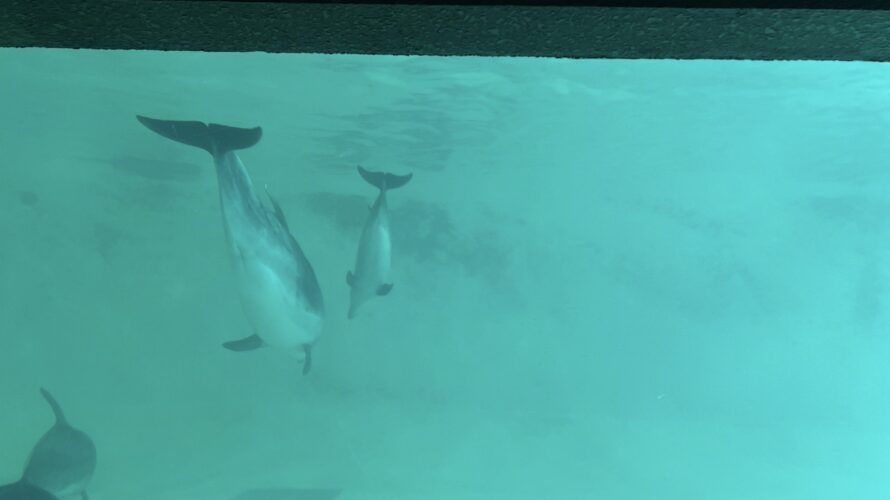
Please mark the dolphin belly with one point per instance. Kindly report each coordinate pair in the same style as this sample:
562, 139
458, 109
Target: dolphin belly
273, 307
267, 272
374, 258
372, 265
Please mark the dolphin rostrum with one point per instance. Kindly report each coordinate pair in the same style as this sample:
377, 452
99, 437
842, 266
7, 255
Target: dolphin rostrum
63, 460
372, 263
279, 292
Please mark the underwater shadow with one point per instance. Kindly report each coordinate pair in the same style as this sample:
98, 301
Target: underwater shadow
158, 170
425, 233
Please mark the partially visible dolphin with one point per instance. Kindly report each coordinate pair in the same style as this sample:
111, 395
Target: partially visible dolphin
290, 494
63, 460
372, 263
278, 288
23, 490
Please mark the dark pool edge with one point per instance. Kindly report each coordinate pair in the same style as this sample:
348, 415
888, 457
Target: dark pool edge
576, 32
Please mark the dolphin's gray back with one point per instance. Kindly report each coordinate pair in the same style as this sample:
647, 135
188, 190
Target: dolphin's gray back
22, 490
237, 194
242, 209
64, 458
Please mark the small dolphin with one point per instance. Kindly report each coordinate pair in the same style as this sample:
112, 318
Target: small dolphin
278, 288
63, 460
23, 490
372, 263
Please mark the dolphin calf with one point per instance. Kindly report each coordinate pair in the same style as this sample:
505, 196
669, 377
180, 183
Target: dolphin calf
372, 263
63, 460
276, 283
23, 490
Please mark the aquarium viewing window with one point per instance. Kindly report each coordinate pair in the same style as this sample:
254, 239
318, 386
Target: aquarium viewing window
307, 251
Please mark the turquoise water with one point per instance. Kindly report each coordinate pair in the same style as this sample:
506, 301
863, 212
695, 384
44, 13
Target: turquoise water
613, 279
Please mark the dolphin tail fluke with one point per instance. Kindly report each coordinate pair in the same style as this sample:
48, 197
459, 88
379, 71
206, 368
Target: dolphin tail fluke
307, 359
57, 410
213, 138
384, 180
245, 344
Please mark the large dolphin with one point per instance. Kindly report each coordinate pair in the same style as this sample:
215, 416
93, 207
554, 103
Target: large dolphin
63, 460
277, 285
23, 490
372, 263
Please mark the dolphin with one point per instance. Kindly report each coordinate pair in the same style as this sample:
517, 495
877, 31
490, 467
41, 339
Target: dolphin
23, 490
63, 460
372, 263
278, 289
289, 494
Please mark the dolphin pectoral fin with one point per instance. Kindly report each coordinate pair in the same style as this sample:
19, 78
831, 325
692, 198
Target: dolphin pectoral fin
350, 278
307, 360
245, 344
384, 289
84, 496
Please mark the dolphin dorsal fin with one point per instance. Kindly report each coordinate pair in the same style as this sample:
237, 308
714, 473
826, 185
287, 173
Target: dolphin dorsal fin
307, 358
57, 410
279, 213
